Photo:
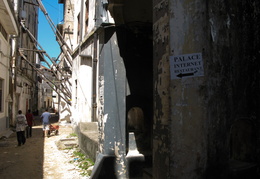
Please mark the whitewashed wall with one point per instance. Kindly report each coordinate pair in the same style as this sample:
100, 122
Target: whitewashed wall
82, 68
4, 75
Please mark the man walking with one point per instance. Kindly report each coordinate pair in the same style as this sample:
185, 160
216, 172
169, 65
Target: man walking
21, 125
45, 118
30, 120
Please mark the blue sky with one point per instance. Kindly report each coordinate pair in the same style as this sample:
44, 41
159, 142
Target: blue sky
46, 36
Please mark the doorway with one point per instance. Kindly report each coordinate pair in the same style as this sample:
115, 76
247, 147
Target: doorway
134, 29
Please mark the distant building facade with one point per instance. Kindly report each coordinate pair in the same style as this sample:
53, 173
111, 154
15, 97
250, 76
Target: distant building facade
45, 91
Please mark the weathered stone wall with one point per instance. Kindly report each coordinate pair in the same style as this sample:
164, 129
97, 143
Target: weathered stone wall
188, 119
232, 74
161, 148
193, 115
88, 138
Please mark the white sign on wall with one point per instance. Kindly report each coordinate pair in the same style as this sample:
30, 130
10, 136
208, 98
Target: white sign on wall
187, 65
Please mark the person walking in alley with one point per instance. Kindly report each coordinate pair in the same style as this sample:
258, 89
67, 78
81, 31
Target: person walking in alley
30, 121
45, 118
21, 124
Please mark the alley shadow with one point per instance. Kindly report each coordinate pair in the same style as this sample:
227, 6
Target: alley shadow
26, 161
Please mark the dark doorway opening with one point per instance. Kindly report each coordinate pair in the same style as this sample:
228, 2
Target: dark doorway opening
134, 33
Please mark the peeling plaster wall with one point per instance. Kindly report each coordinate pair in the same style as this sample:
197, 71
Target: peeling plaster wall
193, 115
188, 137
161, 90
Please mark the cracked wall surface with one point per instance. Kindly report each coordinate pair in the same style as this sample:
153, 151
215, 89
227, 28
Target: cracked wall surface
193, 115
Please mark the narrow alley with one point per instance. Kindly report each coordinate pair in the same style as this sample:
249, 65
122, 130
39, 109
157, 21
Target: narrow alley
150, 89
39, 158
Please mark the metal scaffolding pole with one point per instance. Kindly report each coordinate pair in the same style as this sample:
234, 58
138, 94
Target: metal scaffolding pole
66, 97
64, 46
40, 52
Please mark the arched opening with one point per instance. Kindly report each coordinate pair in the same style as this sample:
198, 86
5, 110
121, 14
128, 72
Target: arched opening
134, 31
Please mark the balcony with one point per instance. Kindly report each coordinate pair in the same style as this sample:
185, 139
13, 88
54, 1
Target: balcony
8, 20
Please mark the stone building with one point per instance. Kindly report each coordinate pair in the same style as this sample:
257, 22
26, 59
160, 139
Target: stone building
46, 91
25, 94
8, 28
206, 124
167, 89
63, 98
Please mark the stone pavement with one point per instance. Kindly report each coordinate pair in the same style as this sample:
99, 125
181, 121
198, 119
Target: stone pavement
39, 158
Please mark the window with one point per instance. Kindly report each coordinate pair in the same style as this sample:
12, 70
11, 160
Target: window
78, 32
86, 17
3, 32
1, 94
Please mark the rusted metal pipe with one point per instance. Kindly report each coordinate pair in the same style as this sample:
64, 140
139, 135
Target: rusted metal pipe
94, 80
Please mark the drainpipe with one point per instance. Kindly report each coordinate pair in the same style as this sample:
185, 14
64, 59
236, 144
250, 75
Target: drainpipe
81, 25
20, 8
94, 64
94, 80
